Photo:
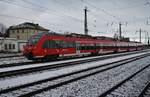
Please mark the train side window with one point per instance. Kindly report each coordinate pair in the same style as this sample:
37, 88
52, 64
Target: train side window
99, 46
73, 44
88, 47
81, 47
46, 44
84, 47
69, 44
58, 44
53, 44
78, 46
64, 44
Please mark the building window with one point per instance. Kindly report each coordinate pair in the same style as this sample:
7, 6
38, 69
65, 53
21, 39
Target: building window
9, 46
17, 31
13, 46
5, 46
13, 31
28, 30
22, 30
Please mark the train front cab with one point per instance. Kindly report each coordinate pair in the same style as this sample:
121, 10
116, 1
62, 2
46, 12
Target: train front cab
32, 49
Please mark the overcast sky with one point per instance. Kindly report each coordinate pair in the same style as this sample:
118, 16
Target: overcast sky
68, 15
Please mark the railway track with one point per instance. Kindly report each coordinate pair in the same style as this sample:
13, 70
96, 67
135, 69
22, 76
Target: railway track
33, 88
104, 94
32, 69
146, 91
17, 64
29, 62
8, 56
12, 60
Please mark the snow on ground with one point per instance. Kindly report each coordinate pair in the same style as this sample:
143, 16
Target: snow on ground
94, 85
11, 60
29, 89
22, 59
10, 82
9, 54
72, 60
133, 87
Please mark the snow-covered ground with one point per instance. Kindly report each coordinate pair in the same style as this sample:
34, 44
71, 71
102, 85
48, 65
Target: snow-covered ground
94, 85
133, 87
19, 80
12, 60
47, 74
26, 90
72, 60
9, 54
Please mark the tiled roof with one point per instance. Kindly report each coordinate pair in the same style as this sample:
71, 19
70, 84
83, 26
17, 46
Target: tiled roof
28, 25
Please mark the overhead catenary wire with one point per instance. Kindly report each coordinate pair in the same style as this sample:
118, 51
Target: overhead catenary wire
103, 10
100, 9
48, 11
36, 6
129, 7
27, 19
51, 10
38, 10
91, 13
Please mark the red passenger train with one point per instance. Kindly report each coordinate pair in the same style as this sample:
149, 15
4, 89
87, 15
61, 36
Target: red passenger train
47, 45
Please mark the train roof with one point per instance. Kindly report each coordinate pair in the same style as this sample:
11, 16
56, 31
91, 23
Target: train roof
75, 35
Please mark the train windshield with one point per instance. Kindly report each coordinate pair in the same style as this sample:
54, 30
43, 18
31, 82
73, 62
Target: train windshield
33, 40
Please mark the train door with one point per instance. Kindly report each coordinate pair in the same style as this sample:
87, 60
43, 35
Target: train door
77, 48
